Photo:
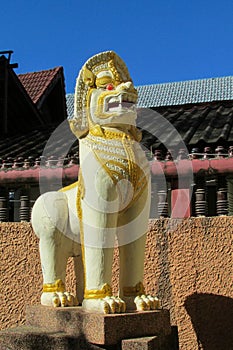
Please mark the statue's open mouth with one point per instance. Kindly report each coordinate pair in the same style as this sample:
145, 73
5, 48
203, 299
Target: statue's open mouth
121, 102
114, 106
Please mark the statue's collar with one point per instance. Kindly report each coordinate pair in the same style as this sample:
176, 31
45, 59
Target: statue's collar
110, 133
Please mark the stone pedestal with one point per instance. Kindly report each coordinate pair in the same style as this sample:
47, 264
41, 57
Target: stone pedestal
51, 328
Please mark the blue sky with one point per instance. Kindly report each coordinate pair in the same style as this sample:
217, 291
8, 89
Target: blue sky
160, 41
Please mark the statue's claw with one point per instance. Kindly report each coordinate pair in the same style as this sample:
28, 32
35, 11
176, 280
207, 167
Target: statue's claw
58, 299
116, 305
72, 300
147, 302
55, 300
107, 305
121, 305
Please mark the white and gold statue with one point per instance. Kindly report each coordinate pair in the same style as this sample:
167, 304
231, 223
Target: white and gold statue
109, 203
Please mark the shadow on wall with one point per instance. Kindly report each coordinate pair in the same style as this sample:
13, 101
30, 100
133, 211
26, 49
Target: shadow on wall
212, 319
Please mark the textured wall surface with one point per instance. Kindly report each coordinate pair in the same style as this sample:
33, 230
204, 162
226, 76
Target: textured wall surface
194, 276
188, 265
20, 276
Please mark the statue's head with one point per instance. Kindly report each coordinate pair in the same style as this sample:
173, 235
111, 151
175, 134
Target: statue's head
104, 94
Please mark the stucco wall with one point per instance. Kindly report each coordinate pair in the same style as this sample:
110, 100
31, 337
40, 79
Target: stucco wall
188, 265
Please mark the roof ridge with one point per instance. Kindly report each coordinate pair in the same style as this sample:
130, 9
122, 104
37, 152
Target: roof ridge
187, 81
40, 71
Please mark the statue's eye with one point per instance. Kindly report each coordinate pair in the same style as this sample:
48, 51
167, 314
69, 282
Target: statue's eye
109, 86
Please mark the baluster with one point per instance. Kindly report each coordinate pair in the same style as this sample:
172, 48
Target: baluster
230, 195
200, 203
183, 154
195, 153
73, 161
207, 153
52, 161
158, 155
3, 209
162, 203
24, 210
222, 203
169, 155
220, 152
230, 151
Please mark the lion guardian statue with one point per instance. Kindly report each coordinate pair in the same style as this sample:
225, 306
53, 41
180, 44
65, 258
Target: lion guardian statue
108, 205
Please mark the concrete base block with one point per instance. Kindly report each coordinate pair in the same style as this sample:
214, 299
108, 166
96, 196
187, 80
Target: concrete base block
72, 328
30, 338
99, 328
145, 343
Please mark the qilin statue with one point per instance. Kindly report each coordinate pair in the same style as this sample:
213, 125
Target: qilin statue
109, 203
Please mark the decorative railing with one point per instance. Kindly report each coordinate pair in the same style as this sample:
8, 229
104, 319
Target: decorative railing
20, 163
195, 184
203, 182
15, 210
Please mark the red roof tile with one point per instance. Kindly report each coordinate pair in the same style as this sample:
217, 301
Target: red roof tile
36, 83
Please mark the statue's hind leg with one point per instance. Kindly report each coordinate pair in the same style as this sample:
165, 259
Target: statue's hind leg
54, 253
49, 221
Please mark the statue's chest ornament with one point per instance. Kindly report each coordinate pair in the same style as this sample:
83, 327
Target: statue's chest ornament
119, 154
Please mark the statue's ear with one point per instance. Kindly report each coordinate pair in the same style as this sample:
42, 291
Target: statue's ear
88, 77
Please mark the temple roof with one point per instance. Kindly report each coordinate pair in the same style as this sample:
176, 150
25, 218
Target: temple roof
186, 92
31, 100
36, 83
198, 125
47, 87
178, 93
201, 111
32, 144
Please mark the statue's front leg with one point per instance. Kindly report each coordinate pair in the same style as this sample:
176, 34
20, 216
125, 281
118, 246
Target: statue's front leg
132, 240
98, 211
97, 251
131, 277
98, 292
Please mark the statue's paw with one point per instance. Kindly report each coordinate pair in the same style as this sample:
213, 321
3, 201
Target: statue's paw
147, 302
58, 299
71, 299
107, 305
116, 304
